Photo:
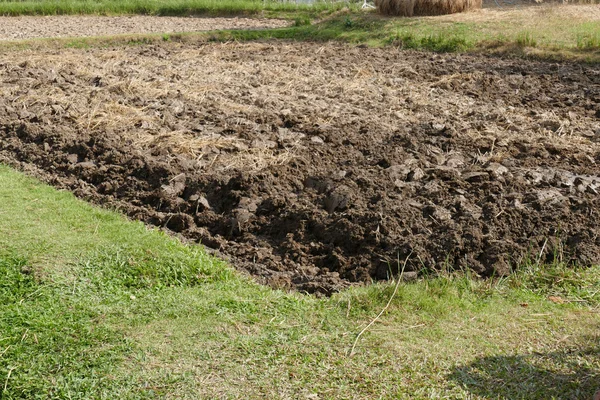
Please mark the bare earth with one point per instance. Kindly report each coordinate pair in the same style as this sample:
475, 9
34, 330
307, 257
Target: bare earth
14, 28
315, 165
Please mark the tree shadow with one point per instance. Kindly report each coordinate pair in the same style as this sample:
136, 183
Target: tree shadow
568, 374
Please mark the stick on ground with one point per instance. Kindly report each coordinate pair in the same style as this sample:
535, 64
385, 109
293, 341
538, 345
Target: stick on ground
351, 353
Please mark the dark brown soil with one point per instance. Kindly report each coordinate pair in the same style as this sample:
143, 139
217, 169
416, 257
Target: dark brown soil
313, 166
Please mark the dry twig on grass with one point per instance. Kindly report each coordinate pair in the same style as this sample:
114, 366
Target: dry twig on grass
351, 353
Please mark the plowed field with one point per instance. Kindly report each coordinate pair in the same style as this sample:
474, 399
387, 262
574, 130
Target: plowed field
313, 166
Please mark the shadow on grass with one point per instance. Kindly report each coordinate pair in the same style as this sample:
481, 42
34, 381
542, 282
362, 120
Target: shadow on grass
568, 374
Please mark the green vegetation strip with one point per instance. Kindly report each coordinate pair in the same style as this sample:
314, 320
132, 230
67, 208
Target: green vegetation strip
170, 8
540, 34
96, 306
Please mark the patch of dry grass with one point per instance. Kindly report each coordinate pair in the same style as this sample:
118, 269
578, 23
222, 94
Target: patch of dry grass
200, 100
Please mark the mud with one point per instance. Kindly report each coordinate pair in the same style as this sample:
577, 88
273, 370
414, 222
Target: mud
315, 166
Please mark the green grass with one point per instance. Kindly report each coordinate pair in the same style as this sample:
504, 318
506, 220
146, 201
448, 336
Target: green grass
170, 8
96, 306
543, 33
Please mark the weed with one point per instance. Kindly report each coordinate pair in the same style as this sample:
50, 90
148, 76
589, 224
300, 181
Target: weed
140, 41
302, 21
77, 44
348, 23
588, 41
525, 39
442, 44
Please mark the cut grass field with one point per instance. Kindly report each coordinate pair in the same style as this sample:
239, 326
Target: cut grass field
96, 306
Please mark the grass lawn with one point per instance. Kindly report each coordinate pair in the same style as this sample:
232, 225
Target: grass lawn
96, 306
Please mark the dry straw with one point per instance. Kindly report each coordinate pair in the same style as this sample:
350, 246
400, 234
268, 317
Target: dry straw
403, 8
409, 8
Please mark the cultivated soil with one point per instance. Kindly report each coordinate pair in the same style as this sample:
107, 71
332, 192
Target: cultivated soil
30, 27
312, 166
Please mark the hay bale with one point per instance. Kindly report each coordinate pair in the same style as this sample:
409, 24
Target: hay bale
408, 8
403, 8
441, 7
